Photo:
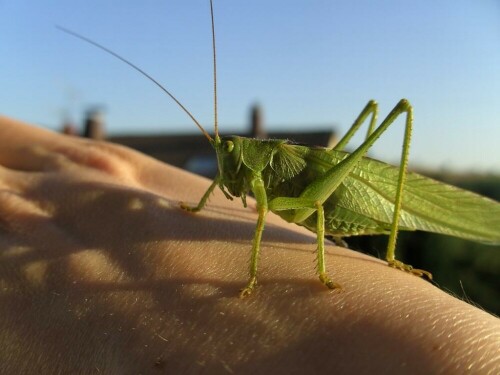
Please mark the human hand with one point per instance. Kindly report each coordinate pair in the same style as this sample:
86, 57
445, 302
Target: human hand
101, 272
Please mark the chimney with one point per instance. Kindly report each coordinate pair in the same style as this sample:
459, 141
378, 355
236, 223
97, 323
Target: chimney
257, 122
94, 125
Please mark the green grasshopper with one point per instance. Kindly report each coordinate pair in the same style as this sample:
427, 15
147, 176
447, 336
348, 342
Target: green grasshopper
333, 192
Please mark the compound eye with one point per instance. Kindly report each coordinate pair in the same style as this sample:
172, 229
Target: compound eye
228, 146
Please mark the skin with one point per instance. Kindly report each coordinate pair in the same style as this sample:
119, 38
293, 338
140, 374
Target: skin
101, 272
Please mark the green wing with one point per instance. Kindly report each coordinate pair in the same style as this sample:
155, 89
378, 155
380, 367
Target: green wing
363, 204
288, 160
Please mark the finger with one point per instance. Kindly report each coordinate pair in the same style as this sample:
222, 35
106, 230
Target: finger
27, 148
16, 141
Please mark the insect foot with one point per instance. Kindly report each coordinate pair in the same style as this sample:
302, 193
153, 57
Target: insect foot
252, 283
407, 268
188, 208
338, 241
323, 277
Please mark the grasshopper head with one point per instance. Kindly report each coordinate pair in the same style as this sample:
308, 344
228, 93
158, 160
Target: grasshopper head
229, 161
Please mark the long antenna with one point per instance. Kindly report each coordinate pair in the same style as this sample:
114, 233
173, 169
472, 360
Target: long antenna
143, 73
216, 125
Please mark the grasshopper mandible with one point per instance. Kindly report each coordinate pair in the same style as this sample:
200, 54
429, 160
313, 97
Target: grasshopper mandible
333, 192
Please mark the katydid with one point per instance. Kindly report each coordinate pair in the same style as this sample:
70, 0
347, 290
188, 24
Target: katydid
336, 193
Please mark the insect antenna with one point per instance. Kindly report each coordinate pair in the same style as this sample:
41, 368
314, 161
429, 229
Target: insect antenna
214, 53
90, 41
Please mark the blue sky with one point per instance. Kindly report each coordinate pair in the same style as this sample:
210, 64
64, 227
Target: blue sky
309, 63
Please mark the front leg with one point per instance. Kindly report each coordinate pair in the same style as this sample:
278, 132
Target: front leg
261, 197
203, 199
